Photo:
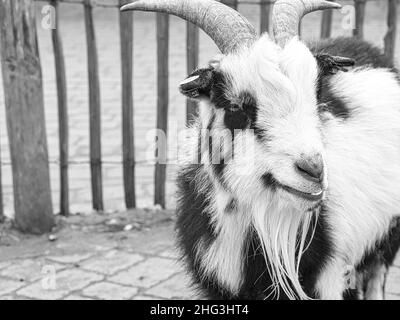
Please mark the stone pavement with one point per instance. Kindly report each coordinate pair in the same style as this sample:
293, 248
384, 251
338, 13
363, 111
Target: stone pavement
107, 30
94, 258
119, 256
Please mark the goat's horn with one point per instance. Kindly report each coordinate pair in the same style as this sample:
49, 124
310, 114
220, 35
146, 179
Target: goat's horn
287, 15
227, 27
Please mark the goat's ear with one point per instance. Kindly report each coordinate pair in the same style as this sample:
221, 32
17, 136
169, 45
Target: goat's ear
198, 84
333, 64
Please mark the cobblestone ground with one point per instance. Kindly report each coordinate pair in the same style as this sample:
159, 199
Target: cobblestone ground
106, 23
94, 258
104, 257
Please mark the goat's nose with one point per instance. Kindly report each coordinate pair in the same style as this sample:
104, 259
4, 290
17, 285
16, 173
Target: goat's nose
311, 167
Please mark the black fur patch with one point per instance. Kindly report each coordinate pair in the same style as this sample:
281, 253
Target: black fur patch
328, 102
383, 254
231, 206
239, 114
361, 51
363, 54
317, 255
269, 181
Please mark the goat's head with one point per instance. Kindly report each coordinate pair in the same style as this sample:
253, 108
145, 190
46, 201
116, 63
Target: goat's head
264, 88
259, 93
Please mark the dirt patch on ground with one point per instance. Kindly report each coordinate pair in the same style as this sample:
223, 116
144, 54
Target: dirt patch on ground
78, 232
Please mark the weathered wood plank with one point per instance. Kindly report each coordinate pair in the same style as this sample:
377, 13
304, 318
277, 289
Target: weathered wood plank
62, 112
23, 89
360, 17
390, 37
192, 58
265, 15
94, 110
126, 35
162, 105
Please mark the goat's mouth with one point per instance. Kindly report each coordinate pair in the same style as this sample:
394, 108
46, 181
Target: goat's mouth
270, 181
314, 196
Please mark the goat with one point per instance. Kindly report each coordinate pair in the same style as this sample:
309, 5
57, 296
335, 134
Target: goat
306, 195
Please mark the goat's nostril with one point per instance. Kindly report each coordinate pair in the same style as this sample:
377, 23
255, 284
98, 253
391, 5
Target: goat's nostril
311, 167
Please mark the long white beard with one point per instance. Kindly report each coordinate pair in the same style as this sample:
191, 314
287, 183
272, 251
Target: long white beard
283, 236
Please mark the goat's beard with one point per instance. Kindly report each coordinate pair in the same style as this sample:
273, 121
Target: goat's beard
283, 233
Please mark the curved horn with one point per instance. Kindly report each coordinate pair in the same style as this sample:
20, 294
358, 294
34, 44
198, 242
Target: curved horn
287, 15
227, 27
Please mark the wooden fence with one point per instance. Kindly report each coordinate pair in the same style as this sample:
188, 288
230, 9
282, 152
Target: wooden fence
24, 100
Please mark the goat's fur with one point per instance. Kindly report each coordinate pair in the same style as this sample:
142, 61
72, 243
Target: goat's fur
242, 235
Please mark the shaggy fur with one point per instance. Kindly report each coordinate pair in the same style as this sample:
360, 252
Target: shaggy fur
244, 231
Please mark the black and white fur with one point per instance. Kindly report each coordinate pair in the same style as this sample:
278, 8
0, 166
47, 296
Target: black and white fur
242, 235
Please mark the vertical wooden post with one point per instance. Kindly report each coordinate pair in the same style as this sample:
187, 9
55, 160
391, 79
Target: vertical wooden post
360, 15
62, 113
162, 104
326, 23
23, 89
192, 58
390, 37
126, 35
94, 110
265, 15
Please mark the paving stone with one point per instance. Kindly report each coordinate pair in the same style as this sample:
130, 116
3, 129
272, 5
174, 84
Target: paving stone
4, 264
65, 282
389, 296
29, 270
143, 297
72, 258
151, 247
13, 297
110, 291
177, 287
76, 297
8, 286
112, 262
170, 253
147, 273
